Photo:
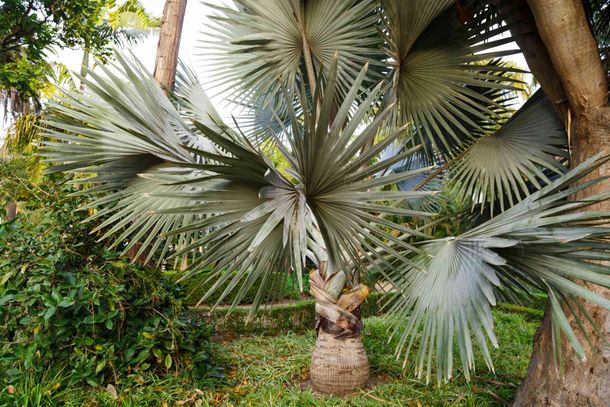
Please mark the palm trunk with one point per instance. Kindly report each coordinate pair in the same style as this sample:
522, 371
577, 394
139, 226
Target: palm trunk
339, 364
169, 43
165, 72
563, 27
517, 13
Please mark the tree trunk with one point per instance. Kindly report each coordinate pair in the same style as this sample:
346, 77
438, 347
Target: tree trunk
563, 27
165, 72
581, 383
518, 15
339, 364
169, 43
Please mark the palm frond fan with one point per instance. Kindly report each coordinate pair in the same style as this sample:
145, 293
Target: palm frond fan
229, 207
543, 242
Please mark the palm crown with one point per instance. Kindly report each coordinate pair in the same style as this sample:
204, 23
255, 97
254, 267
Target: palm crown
341, 83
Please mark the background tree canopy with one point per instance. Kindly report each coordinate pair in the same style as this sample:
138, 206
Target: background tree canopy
30, 29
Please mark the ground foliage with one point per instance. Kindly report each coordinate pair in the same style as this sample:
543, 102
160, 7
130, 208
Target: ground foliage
273, 371
66, 301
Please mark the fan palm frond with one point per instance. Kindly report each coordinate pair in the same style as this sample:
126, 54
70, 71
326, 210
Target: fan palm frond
229, 206
194, 105
325, 207
260, 45
523, 154
544, 242
446, 79
122, 128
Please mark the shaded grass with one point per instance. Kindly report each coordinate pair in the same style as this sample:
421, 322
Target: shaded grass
273, 371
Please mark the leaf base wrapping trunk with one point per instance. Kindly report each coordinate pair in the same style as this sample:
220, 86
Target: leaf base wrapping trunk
338, 365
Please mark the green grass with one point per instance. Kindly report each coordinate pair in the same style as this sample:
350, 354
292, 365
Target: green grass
273, 371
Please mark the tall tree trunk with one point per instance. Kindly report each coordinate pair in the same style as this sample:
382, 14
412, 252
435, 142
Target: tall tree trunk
563, 28
169, 43
165, 71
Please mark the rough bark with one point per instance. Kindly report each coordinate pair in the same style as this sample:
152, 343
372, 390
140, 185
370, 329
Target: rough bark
581, 383
563, 28
339, 366
169, 43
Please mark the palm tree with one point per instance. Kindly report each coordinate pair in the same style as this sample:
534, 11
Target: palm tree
127, 24
169, 42
334, 85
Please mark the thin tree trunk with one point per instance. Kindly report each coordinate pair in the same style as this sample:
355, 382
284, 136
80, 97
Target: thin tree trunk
165, 71
169, 43
564, 30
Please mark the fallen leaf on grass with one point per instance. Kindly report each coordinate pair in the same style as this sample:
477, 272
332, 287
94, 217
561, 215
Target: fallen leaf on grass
110, 389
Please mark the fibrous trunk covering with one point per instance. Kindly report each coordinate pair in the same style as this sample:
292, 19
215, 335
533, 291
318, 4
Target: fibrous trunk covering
339, 364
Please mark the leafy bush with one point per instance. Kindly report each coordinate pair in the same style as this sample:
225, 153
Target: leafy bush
16, 178
297, 316
66, 300
195, 287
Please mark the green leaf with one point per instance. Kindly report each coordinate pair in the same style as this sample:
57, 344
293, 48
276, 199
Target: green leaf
65, 303
49, 313
168, 361
100, 366
158, 354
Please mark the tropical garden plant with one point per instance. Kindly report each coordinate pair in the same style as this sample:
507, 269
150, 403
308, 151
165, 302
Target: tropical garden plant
333, 86
71, 307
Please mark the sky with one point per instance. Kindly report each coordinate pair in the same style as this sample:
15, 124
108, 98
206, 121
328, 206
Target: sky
195, 27
196, 24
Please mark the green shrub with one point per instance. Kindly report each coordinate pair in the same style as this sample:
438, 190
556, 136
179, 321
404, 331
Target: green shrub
17, 178
273, 319
195, 287
67, 301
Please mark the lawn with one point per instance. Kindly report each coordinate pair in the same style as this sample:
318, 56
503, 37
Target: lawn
273, 371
